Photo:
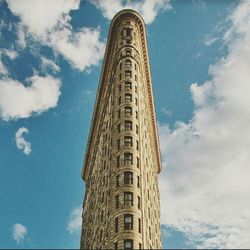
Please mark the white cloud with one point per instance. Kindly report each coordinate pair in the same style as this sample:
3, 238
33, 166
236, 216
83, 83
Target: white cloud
49, 64
82, 48
205, 186
209, 40
75, 222
21, 143
19, 232
147, 8
12, 54
20, 101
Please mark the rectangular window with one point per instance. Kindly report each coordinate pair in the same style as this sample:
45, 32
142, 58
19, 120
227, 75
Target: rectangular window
128, 244
128, 159
120, 88
128, 141
136, 78
136, 102
128, 73
128, 221
117, 201
136, 114
135, 66
136, 89
128, 110
128, 177
139, 225
139, 246
138, 181
118, 161
128, 63
116, 246
119, 128
119, 113
117, 180
128, 125
128, 97
137, 145
128, 85
118, 144
116, 224
119, 100
137, 162
120, 76
139, 202
128, 199
137, 129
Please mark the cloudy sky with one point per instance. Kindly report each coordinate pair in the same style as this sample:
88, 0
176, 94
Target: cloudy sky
50, 59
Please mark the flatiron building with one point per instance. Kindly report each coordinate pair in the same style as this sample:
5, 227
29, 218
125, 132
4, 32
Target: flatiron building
121, 208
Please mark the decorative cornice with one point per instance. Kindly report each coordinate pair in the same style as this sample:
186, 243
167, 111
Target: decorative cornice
103, 84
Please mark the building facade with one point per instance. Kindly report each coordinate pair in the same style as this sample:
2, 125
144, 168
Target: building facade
121, 208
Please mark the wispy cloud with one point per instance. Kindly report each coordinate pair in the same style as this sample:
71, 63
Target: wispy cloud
21, 143
75, 221
19, 232
208, 158
149, 9
49, 64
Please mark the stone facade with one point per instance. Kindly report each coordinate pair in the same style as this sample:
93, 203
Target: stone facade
121, 208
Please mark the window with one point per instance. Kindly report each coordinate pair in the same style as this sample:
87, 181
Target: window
102, 216
119, 100
120, 65
137, 162
116, 246
118, 161
136, 114
128, 159
136, 102
128, 63
128, 221
128, 199
135, 66
139, 202
118, 144
149, 213
139, 246
117, 180
119, 128
120, 76
128, 97
128, 244
128, 125
138, 181
128, 177
120, 88
137, 145
116, 224
117, 201
128, 31
128, 141
150, 233
139, 225
137, 129
128, 52
135, 89
119, 113
136, 78
128, 73
128, 111
128, 85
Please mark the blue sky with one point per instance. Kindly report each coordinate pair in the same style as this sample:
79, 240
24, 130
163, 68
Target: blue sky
50, 60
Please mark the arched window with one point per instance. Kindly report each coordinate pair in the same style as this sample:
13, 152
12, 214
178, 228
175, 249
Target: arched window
128, 63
